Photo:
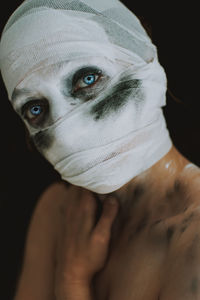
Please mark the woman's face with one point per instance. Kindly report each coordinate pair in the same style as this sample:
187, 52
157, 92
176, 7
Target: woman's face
70, 91
93, 119
89, 88
77, 112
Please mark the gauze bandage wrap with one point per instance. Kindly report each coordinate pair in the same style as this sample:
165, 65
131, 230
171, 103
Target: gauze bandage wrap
118, 130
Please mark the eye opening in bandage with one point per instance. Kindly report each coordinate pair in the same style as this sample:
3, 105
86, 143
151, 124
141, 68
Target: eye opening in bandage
36, 109
83, 73
126, 80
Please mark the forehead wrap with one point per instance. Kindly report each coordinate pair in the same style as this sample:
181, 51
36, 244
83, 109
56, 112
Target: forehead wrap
98, 153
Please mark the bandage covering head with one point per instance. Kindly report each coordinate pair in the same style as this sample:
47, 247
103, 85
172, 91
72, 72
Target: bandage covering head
113, 130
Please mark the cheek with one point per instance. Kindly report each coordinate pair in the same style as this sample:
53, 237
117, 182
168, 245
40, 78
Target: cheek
128, 89
43, 140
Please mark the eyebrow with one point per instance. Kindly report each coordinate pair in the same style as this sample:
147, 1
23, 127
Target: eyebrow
17, 93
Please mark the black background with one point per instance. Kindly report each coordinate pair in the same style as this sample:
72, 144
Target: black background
25, 174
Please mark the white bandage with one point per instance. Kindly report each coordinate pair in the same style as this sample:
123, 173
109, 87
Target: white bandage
98, 153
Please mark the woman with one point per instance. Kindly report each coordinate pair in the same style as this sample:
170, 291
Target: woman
85, 78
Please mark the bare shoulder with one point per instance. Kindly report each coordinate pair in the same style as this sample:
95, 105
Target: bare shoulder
44, 223
45, 220
191, 176
37, 275
185, 223
52, 196
181, 272
51, 202
46, 208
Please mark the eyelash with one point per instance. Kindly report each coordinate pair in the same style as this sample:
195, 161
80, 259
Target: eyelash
80, 80
89, 85
26, 109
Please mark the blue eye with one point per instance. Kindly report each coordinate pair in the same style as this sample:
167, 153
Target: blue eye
89, 79
85, 78
36, 110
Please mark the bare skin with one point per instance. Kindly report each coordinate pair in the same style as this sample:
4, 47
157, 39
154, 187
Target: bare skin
145, 247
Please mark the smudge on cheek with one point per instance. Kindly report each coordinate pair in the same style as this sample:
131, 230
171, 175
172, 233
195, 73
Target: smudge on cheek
42, 141
118, 97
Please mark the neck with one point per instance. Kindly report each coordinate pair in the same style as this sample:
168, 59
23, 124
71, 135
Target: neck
143, 193
168, 167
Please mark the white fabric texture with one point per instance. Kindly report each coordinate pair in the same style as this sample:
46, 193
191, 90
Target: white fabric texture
101, 154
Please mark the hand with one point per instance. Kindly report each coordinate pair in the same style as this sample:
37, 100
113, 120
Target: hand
83, 246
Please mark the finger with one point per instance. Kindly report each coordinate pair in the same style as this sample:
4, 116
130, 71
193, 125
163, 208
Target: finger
88, 212
103, 227
72, 203
71, 214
